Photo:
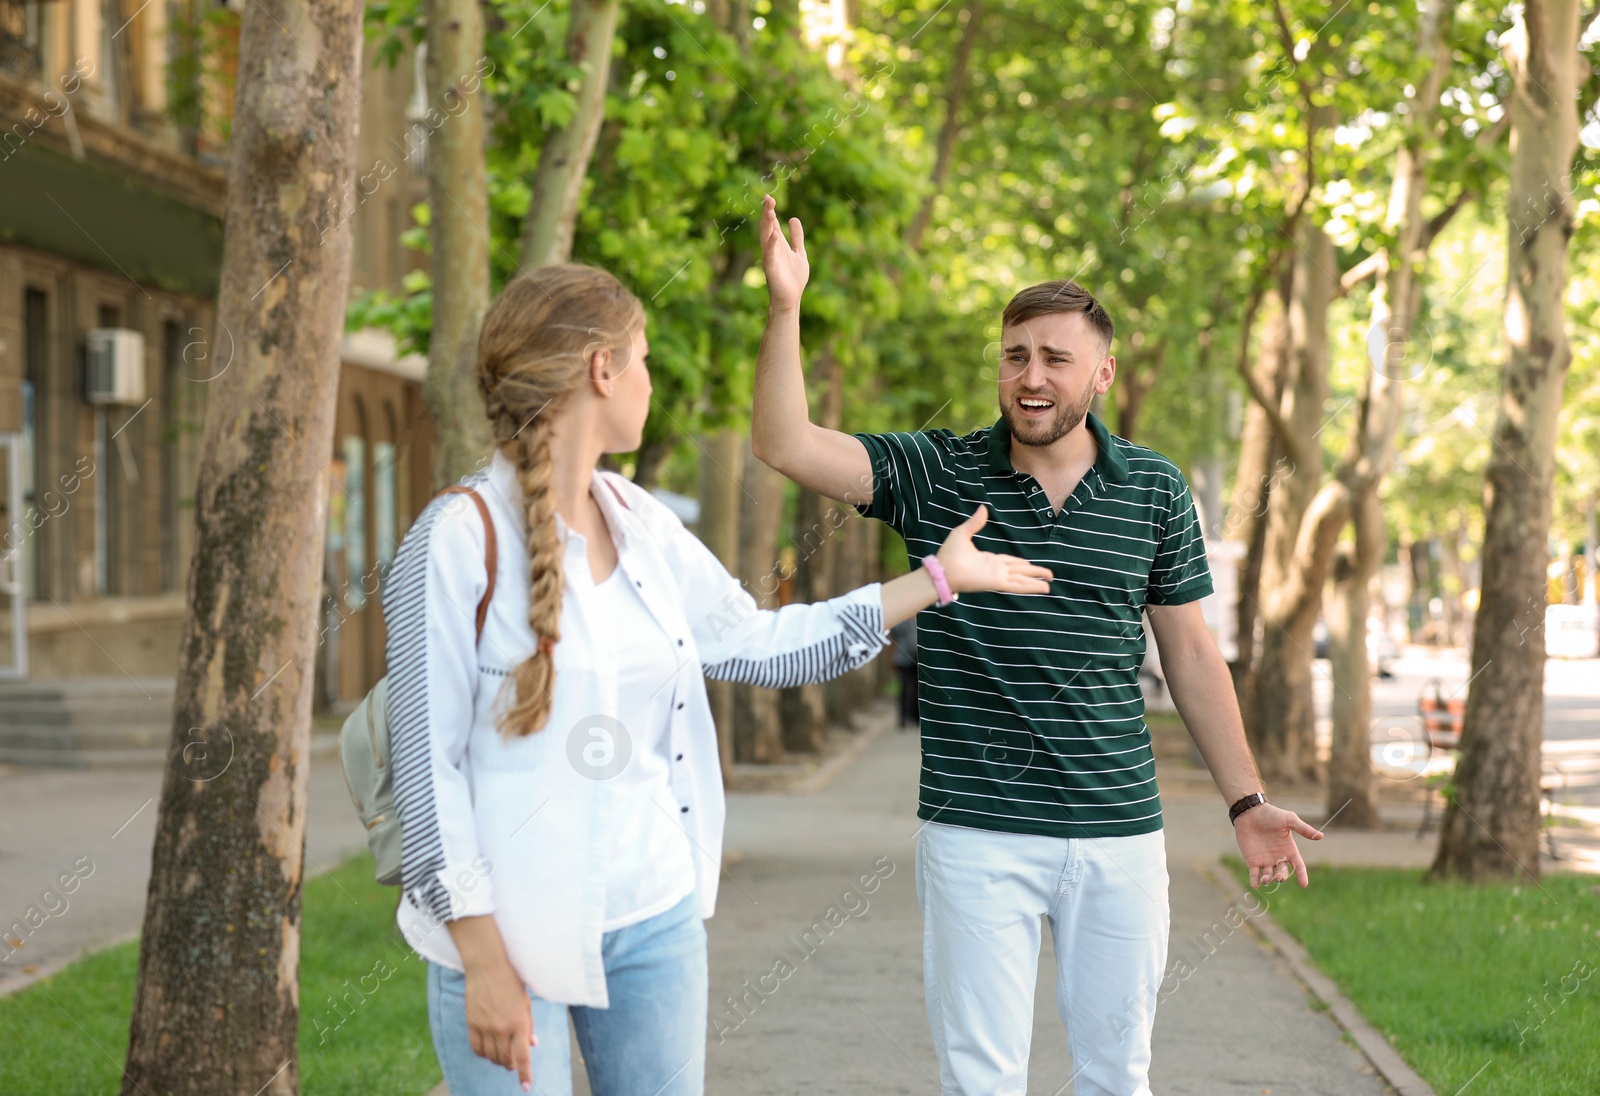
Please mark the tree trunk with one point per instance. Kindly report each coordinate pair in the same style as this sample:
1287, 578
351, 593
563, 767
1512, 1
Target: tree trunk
458, 193
1491, 825
1414, 554
847, 694
1298, 546
648, 461
564, 162
1351, 792
1133, 385
1259, 457
720, 471
955, 98
216, 1008
804, 708
758, 727
1453, 580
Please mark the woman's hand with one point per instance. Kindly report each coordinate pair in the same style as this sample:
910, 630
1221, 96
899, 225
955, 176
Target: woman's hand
968, 567
787, 268
500, 1018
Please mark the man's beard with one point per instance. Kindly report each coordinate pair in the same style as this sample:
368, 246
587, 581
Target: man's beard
1068, 416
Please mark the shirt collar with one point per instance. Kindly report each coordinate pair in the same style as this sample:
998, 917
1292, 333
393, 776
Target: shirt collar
1109, 461
503, 481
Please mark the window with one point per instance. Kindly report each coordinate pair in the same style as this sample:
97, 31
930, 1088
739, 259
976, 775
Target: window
385, 526
36, 404
355, 521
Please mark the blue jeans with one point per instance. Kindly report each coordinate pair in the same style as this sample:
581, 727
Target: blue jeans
650, 1042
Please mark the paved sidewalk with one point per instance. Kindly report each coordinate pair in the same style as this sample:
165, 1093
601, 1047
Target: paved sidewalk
850, 1019
49, 818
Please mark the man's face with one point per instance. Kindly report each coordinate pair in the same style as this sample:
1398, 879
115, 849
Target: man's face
1051, 367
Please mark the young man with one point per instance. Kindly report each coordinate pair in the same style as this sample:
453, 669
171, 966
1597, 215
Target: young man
1038, 789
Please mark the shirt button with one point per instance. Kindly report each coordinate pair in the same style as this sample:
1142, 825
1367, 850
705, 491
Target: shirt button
683, 810
680, 757
680, 643
680, 705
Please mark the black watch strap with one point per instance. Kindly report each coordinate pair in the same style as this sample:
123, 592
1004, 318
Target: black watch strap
1254, 799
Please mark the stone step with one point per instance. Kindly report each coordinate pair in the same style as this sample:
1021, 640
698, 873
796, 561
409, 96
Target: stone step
89, 687
323, 743
65, 737
82, 715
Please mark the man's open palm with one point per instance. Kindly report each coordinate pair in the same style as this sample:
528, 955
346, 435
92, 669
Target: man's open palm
787, 267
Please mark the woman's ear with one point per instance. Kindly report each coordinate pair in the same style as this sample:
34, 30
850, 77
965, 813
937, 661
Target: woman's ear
600, 367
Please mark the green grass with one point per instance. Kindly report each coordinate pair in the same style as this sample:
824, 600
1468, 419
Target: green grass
1456, 976
69, 1032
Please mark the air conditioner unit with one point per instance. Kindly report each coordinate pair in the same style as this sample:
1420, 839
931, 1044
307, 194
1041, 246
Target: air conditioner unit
115, 372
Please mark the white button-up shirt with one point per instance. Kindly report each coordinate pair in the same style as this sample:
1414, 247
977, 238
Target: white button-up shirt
516, 828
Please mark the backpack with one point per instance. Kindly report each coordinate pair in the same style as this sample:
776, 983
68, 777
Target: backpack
364, 738
364, 748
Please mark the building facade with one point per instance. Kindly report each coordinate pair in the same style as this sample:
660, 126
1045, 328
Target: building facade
113, 145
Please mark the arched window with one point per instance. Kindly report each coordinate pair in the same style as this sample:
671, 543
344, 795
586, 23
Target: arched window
385, 492
355, 508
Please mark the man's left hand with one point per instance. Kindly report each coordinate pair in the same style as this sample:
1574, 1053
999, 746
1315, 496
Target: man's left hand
1266, 838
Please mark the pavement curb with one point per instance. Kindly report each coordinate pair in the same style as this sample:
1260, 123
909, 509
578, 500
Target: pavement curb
55, 966
1384, 1058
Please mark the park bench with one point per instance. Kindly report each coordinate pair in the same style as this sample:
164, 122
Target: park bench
1441, 726
1442, 718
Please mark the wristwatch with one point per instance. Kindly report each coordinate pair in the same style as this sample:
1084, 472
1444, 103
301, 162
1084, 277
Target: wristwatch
1254, 799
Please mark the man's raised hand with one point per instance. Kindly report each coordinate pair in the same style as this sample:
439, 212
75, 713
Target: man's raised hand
787, 268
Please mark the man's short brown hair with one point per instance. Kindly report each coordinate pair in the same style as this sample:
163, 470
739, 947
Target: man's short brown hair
1048, 298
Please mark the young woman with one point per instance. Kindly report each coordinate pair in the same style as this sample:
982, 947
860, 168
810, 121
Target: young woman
557, 776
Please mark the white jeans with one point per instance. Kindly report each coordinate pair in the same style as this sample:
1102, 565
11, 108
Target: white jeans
982, 893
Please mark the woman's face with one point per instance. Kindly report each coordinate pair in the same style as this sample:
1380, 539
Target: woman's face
628, 404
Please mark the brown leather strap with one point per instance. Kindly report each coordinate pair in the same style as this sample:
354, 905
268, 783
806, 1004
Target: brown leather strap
620, 499
491, 549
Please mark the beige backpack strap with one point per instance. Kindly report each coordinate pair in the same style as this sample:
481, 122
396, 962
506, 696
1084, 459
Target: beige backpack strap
491, 550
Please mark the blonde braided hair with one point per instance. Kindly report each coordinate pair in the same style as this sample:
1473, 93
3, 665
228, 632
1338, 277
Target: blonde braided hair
534, 350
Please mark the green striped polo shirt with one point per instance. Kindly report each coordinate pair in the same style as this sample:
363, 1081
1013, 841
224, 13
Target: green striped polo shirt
1032, 716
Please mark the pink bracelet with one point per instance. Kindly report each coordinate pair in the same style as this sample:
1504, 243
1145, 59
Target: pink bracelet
940, 583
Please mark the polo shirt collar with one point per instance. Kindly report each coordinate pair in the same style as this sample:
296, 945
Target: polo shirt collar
1109, 461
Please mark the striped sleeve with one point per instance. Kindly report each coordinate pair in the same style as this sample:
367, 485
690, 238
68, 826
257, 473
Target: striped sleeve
776, 648
797, 644
429, 607
1180, 572
903, 469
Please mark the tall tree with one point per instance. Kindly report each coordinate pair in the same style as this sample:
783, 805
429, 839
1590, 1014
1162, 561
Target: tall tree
757, 720
458, 193
220, 950
1491, 825
1351, 793
1259, 456
957, 84
1302, 523
564, 161
721, 474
